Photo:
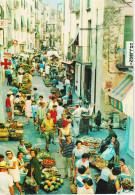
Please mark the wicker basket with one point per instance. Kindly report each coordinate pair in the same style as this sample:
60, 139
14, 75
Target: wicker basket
48, 165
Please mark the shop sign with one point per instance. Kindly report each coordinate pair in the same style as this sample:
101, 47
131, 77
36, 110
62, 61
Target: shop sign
7, 55
3, 23
129, 53
108, 84
14, 42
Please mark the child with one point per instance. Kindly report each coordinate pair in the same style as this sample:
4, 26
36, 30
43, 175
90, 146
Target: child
88, 186
80, 178
36, 95
34, 109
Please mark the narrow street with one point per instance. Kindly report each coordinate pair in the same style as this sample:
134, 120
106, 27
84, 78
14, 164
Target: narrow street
30, 134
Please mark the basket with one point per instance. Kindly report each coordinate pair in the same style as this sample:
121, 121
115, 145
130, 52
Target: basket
48, 165
73, 188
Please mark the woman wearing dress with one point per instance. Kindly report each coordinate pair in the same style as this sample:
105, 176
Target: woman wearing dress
27, 107
77, 153
64, 131
112, 150
35, 169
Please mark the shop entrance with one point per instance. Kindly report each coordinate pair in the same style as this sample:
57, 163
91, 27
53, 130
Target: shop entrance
88, 78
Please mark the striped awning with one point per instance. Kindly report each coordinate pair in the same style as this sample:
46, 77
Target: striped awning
77, 32
120, 92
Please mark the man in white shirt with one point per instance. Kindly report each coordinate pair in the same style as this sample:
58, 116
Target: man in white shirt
76, 119
67, 84
53, 102
6, 181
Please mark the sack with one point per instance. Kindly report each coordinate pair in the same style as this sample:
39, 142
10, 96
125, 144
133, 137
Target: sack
73, 188
30, 181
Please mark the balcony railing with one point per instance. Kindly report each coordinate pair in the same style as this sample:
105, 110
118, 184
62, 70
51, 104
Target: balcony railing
37, 21
83, 54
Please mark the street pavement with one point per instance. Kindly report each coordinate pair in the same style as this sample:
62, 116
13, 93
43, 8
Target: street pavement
30, 134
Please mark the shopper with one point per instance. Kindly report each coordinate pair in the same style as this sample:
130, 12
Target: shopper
48, 128
6, 181
13, 169
35, 169
8, 108
67, 148
27, 107
77, 153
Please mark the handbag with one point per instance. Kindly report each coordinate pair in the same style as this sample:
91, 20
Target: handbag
73, 188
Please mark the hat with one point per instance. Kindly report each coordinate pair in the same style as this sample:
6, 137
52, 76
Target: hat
10, 92
2, 164
65, 123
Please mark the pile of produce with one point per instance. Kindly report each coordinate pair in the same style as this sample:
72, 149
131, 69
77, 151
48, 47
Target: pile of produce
48, 82
51, 184
42, 154
98, 162
49, 162
4, 135
91, 142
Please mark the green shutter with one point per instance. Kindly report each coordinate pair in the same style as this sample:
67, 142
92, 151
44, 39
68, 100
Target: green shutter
128, 31
28, 25
88, 3
22, 22
76, 4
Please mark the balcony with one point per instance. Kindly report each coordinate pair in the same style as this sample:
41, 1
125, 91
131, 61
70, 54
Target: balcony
75, 8
83, 54
37, 21
16, 4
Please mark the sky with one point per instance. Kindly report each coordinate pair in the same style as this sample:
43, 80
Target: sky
53, 3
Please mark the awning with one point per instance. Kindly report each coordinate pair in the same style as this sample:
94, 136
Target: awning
117, 96
77, 31
128, 103
68, 63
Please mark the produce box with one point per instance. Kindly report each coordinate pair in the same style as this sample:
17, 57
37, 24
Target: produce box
51, 184
2, 139
3, 130
91, 142
19, 133
98, 162
13, 124
7, 125
20, 125
4, 134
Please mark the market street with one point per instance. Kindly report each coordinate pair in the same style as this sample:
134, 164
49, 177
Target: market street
30, 134
66, 97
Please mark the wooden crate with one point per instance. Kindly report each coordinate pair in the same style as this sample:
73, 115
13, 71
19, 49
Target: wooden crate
19, 133
2, 139
20, 126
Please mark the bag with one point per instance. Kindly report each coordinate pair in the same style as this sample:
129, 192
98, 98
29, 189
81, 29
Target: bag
30, 181
73, 188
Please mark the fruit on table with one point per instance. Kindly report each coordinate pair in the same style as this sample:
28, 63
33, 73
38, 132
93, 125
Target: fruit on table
61, 181
54, 183
49, 183
45, 187
48, 189
54, 178
48, 161
58, 179
46, 181
52, 188
56, 187
59, 184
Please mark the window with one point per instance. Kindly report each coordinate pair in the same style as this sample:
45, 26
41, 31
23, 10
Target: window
76, 4
88, 3
128, 31
22, 3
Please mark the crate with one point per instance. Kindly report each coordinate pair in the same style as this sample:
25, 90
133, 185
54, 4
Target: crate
19, 133
13, 124
20, 126
2, 139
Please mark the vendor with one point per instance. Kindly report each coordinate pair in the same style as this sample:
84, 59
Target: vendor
107, 140
26, 151
82, 162
112, 150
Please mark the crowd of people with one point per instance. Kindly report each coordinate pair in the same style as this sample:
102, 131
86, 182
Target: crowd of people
50, 118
